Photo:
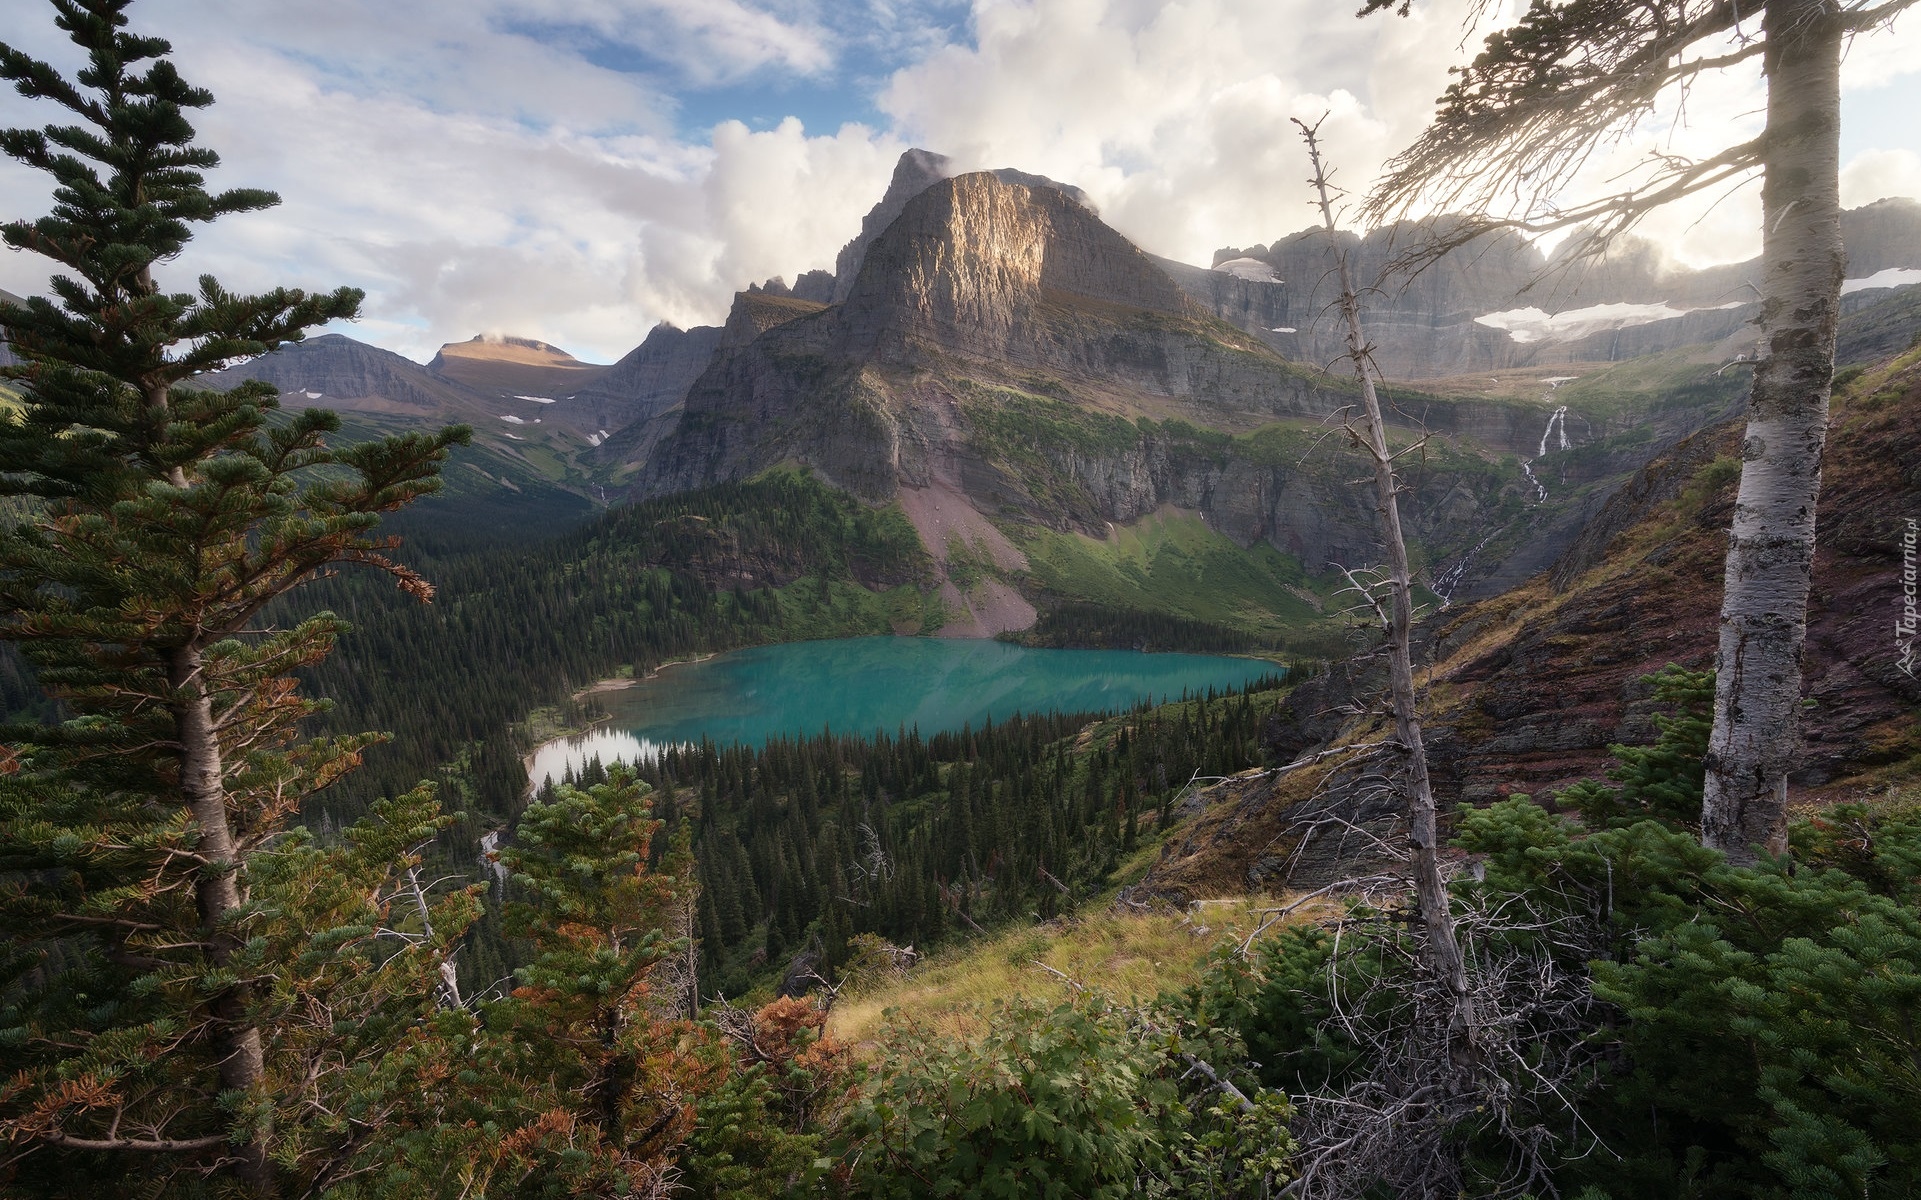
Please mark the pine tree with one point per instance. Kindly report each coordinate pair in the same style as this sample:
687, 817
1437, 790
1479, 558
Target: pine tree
609, 1082
165, 518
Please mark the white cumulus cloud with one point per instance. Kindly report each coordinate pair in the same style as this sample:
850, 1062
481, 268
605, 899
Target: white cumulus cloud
525, 166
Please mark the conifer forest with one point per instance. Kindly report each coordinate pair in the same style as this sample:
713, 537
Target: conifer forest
1422, 707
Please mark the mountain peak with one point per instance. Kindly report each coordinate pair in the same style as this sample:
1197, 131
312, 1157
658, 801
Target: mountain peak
500, 347
969, 262
916, 171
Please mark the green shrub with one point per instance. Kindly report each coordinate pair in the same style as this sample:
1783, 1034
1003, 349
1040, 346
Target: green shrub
1757, 1027
1661, 782
1084, 1100
1766, 1037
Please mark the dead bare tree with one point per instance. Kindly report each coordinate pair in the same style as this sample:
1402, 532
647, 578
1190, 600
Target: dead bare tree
1398, 1126
1390, 592
678, 974
1523, 122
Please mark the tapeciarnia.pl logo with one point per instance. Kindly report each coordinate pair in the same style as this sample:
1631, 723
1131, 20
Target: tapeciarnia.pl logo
1905, 624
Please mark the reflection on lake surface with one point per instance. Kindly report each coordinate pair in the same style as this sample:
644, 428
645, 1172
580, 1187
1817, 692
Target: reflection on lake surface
860, 685
608, 745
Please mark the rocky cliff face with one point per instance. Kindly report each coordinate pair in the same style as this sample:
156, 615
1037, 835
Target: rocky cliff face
971, 262
639, 398
976, 280
1431, 326
916, 171
1003, 352
1528, 689
1253, 302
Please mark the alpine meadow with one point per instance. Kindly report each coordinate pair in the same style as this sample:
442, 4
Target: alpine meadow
935, 692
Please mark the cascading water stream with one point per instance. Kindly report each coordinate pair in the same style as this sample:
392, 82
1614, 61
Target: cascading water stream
1556, 424
1450, 579
1556, 431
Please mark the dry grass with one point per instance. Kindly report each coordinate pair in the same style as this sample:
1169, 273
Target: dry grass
1129, 956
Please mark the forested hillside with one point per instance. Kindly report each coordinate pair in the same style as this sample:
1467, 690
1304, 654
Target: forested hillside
804, 845
522, 625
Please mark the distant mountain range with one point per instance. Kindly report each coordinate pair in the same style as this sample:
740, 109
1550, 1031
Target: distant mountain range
1501, 303
1024, 382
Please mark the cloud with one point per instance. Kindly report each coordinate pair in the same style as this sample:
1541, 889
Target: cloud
1880, 56
523, 166
1878, 174
1173, 117
706, 41
540, 196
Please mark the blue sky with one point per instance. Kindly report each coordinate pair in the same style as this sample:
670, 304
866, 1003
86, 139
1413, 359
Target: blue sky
577, 170
868, 44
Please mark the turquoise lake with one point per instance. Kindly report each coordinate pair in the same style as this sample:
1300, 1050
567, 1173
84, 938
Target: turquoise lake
860, 685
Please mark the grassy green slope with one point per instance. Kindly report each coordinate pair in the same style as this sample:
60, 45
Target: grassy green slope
1172, 562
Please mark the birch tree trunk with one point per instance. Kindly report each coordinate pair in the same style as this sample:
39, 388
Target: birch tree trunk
1764, 606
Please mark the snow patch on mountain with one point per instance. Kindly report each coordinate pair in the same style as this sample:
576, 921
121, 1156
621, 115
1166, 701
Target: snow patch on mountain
1530, 325
1252, 269
1892, 277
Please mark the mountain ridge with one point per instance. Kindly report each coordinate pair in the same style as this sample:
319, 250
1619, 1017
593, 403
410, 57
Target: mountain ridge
1005, 361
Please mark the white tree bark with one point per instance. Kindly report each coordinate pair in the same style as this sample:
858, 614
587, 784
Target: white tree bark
1757, 703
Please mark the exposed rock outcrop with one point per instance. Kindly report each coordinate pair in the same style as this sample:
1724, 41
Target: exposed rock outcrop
515, 368
817, 286
1530, 688
1252, 304
639, 399
915, 172
970, 263
976, 279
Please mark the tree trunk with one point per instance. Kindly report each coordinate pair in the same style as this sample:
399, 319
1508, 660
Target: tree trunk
1764, 606
1430, 887
217, 894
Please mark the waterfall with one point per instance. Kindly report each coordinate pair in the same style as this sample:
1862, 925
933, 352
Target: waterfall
1448, 580
1556, 432
1556, 424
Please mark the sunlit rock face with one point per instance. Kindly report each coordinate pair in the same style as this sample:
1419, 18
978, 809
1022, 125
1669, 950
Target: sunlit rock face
916, 171
985, 294
971, 263
976, 281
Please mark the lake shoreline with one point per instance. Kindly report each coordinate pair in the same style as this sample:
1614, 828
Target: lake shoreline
875, 683
621, 683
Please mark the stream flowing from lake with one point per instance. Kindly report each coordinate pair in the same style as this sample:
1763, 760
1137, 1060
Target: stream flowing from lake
861, 685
